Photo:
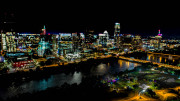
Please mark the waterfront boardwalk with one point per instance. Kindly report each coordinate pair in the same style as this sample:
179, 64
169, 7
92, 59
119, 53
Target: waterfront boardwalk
145, 61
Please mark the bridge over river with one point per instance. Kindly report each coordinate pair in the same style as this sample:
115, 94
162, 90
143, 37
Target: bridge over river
146, 61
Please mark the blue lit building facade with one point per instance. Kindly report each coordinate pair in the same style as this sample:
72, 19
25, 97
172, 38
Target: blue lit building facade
65, 44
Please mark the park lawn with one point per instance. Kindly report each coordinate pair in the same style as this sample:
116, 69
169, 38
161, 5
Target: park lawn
177, 81
123, 84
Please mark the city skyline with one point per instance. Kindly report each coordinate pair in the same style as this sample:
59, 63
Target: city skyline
92, 51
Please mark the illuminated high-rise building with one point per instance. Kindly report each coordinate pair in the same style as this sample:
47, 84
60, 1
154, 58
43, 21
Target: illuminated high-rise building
65, 45
155, 42
82, 40
55, 45
89, 38
137, 42
7, 30
117, 29
75, 42
43, 47
158, 38
126, 42
3, 42
11, 43
44, 31
117, 35
107, 35
159, 32
103, 38
8, 42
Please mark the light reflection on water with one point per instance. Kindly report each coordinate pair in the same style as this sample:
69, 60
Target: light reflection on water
162, 59
59, 79
122, 65
34, 85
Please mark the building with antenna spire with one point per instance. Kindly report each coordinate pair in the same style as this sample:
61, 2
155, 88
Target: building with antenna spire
158, 38
44, 30
155, 42
159, 32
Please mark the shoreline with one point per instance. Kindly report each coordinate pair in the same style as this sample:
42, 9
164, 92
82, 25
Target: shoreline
25, 76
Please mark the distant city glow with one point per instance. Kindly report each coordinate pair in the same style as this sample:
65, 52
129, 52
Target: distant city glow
119, 63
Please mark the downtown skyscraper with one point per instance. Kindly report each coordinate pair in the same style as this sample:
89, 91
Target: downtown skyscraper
117, 35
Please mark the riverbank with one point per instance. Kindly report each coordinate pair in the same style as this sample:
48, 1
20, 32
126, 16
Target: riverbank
22, 76
85, 67
94, 87
91, 89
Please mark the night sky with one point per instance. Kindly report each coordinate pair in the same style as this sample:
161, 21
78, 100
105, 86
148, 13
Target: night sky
141, 18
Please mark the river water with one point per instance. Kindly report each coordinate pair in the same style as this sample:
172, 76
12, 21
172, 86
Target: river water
59, 79
159, 58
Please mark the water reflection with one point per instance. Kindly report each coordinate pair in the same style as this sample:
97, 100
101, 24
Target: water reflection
162, 59
112, 68
165, 60
33, 86
101, 69
126, 65
76, 78
59, 79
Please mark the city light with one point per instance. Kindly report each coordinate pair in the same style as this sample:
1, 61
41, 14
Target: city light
112, 62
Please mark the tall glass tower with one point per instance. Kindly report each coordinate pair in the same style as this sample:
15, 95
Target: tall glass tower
117, 29
117, 35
